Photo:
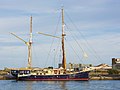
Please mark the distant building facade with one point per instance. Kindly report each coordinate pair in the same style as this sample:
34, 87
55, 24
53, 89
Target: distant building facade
116, 63
76, 66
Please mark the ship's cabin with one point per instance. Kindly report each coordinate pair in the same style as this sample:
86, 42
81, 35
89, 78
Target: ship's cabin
21, 72
15, 72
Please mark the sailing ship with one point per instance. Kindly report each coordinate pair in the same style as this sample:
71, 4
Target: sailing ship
48, 74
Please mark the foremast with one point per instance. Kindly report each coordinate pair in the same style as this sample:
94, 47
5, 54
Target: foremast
30, 46
63, 44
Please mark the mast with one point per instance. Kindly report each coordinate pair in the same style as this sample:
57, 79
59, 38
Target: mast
30, 46
63, 44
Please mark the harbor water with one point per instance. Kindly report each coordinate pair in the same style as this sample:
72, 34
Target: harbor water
60, 85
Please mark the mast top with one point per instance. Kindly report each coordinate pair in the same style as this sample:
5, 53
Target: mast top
63, 24
30, 40
31, 24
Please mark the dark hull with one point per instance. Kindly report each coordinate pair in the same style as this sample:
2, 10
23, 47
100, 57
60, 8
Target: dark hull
83, 76
70, 79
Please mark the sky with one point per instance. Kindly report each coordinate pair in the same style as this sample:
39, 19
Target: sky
95, 24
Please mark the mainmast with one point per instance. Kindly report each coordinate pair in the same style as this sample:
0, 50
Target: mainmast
63, 44
30, 46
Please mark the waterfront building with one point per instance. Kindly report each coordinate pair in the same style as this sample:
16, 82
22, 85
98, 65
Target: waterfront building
116, 63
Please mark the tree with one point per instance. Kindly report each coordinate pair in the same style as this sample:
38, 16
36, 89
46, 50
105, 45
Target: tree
113, 71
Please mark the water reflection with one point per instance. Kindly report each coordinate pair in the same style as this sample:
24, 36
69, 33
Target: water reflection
63, 85
45, 85
53, 85
29, 85
60, 85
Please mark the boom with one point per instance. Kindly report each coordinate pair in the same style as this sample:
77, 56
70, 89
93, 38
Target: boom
48, 35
